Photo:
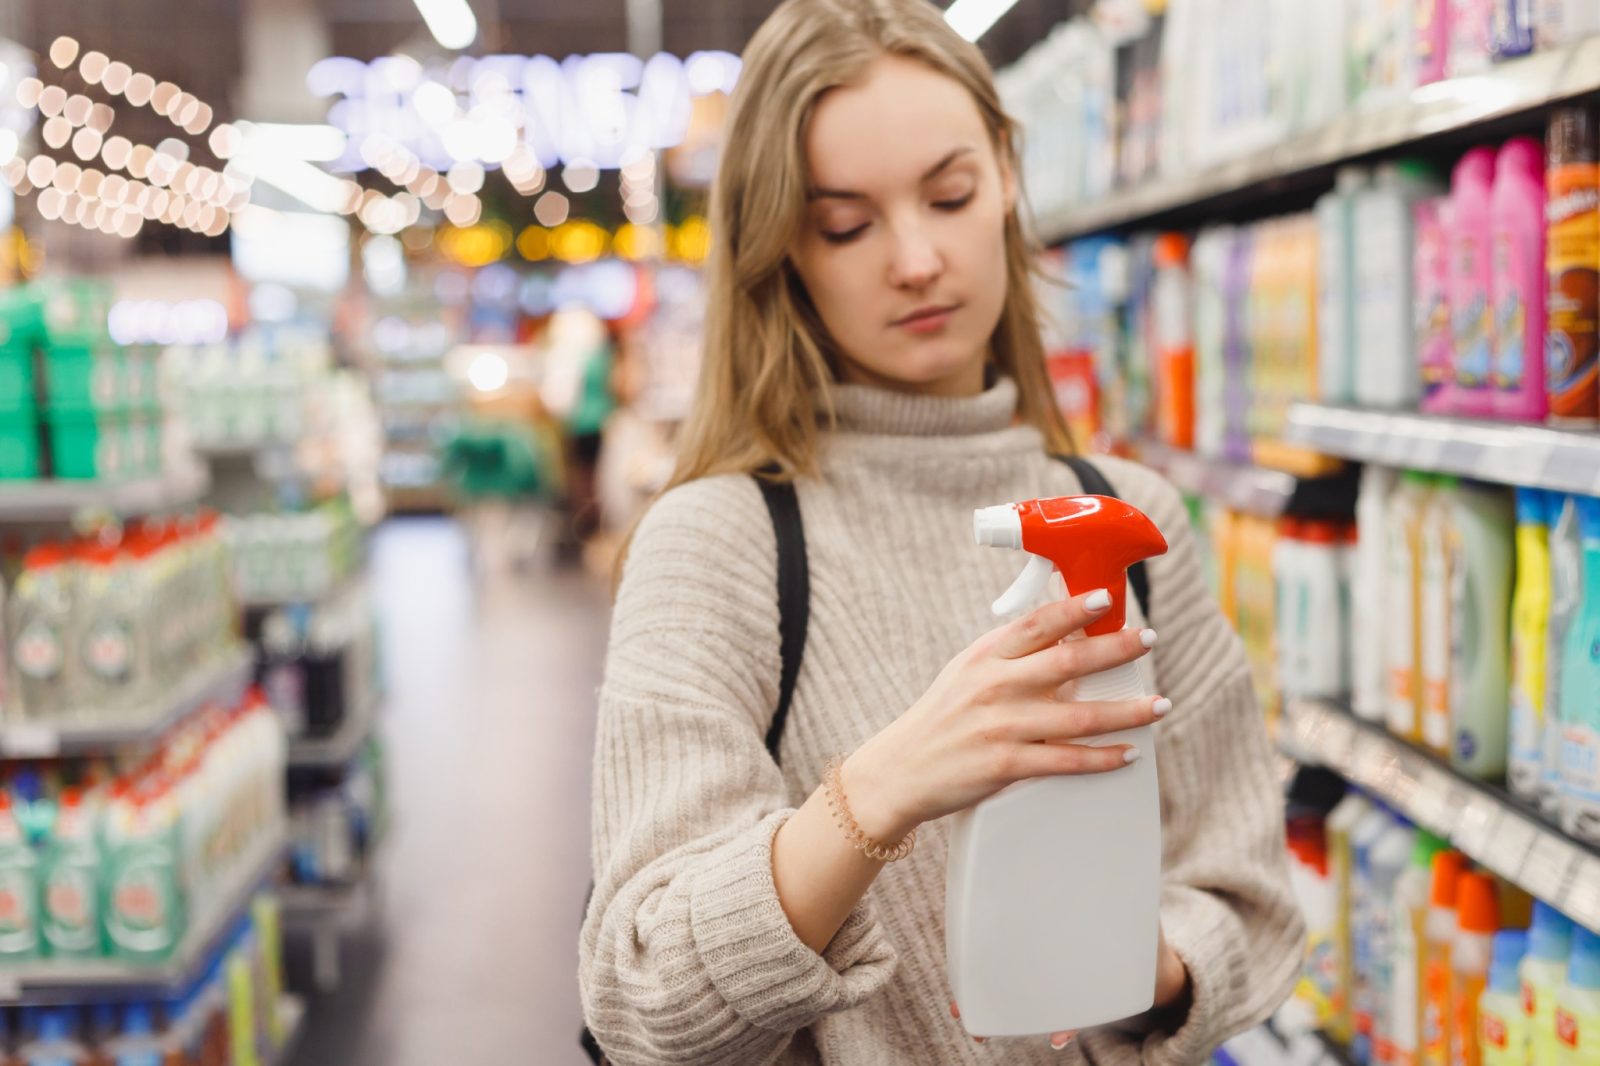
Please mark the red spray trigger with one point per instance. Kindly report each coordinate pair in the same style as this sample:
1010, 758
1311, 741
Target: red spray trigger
1091, 540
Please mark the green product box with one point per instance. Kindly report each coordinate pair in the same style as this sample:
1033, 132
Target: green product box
19, 444
16, 379
85, 378
76, 311
88, 445
21, 317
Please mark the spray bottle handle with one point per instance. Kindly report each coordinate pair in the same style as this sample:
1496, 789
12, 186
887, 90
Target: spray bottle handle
1029, 587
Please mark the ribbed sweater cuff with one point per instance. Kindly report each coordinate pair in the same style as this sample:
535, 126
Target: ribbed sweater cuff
752, 954
1207, 936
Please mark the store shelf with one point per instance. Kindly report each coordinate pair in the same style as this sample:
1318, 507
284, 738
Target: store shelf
1240, 487
1535, 456
1489, 825
62, 501
1432, 111
222, 682
58, 980
340, 748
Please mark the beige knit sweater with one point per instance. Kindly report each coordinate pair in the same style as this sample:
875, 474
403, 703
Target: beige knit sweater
686, 955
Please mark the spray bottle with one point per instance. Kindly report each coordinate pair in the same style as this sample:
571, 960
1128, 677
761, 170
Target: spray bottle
1033, 945
1544, 972
1502, 1025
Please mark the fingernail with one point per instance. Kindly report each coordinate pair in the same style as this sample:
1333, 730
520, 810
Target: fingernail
1098, 600
1059, 1043
1131, 755
1161, 707
1147, 637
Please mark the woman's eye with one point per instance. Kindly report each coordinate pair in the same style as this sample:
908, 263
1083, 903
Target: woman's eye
843, 236
954, 204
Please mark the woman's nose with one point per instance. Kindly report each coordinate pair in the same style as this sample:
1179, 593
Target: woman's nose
916, 263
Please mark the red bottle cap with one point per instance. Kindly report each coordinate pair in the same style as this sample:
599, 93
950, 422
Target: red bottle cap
1448, 867
1478, 904
1092, 540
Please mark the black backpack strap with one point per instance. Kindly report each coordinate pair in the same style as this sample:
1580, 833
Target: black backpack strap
794, 596
1095, 484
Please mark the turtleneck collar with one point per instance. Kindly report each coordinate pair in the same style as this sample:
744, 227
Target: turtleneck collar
870, 411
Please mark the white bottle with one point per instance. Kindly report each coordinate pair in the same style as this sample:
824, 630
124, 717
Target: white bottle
1436, 601
1386, 371
1035, 941
1480, 712
1291, 610
1209, 260
1389, 859
1369, 594
1402, 622
1324, 658
1336, 287
1566, 599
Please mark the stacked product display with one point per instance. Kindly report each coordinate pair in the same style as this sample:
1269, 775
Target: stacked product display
122, 866
294, 557
252, 392
419, 402
318, 664
73, 404
102, 629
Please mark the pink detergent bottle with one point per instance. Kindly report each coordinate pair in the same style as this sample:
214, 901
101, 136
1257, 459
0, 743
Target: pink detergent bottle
1432, 45
1518, 286
1471, 272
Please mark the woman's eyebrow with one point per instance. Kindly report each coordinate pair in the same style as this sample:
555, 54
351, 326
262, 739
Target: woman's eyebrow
933, 172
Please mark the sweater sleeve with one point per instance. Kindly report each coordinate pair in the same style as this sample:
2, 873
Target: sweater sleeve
686, 954
1226, 908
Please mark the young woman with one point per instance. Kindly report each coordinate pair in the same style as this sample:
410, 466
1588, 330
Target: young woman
872, 330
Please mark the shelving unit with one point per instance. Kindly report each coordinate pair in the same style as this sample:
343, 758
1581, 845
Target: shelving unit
1252, 489
342, 747
1303, 159
222, 682
65, 980
1535, 456
1489, 825
325, 912
291, 1021
62, 501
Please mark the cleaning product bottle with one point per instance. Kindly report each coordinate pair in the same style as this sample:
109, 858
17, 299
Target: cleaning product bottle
1530, 633
1518, 282
40, 627
1387, 863
1403, 621
1364, 903
1173, 322
1502, 1026
1432, 47
19, 888
1580, 682
1439, 933
1471, 24
1211, 249
1479, 919
1481, 521
1544, 972
1438, 557
1578, 1004
1409, 912
1342, 821
1431, 325
1572, 258
1511, 30
1336, 286
53, 1043
1558, 23
143, 905
1326, 664
70, 874
1033, 947
1290, 608
1370, 596
1566, 600
137, 1044
1471, 280
1386, 373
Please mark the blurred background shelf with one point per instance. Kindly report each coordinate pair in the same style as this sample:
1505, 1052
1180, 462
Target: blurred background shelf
62, 501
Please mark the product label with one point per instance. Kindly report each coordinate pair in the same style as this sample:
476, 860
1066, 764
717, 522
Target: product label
1436, 1013
1437, 638
108, 650
1473, 326
142, 913
1431, 296
1580, 764
1572, 356
1400, 625
1566, 1028
38, 652
1510, 319
72, 923
19, 931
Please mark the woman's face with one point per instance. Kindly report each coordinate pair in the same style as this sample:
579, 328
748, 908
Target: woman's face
903, 251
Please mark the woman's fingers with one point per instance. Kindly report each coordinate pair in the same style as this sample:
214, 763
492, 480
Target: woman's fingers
955, 1012
1050, 624
1049, 668
1023, 762
1057, 722
1060, 1040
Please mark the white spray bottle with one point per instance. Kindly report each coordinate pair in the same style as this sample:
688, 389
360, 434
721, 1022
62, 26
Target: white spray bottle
1053, 888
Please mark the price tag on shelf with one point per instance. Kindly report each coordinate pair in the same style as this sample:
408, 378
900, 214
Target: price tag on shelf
1479, 821
30, 740
1374, 762
1506, 852
1548, 867
1438, 800
1582, 901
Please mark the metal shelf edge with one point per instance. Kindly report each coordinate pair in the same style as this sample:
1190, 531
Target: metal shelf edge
60, 501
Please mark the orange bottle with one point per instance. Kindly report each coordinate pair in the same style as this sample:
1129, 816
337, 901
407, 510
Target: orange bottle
1440, 929
1477, 905
1173, 319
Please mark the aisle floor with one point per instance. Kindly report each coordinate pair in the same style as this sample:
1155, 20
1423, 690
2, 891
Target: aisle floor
472, 953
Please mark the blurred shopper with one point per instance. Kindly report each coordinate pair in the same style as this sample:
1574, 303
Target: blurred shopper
872, 334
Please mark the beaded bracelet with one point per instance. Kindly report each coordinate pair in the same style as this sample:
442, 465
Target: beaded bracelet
847, 821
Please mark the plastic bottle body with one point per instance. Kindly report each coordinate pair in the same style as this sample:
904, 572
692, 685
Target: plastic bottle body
1471, 281
1480, 626
1530, 634
1518, 212
1580, 681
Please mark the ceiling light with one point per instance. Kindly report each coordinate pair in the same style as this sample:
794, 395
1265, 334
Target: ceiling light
972, 18
552, 209
140, 88
311, 143
116, 77
450, 21
63, 51
435, 102
57, 132
52, 100
580, 176
101, 117
29, 91
76, 109
93, 67
466, 177
86, 144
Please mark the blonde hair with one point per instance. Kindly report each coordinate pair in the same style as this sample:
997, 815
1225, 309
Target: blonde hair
767, 355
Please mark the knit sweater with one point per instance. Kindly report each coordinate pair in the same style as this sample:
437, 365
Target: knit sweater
686, 955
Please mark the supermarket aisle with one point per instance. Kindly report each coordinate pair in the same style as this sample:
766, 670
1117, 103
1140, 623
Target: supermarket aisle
489, 728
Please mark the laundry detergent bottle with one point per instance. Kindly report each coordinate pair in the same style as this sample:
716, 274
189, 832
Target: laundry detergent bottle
1036, 940
1580, 682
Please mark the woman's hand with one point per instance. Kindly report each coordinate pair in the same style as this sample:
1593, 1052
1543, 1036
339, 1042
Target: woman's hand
994, 716
1172, 987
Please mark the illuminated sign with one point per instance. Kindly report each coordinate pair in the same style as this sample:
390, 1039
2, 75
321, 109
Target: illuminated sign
605, 110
